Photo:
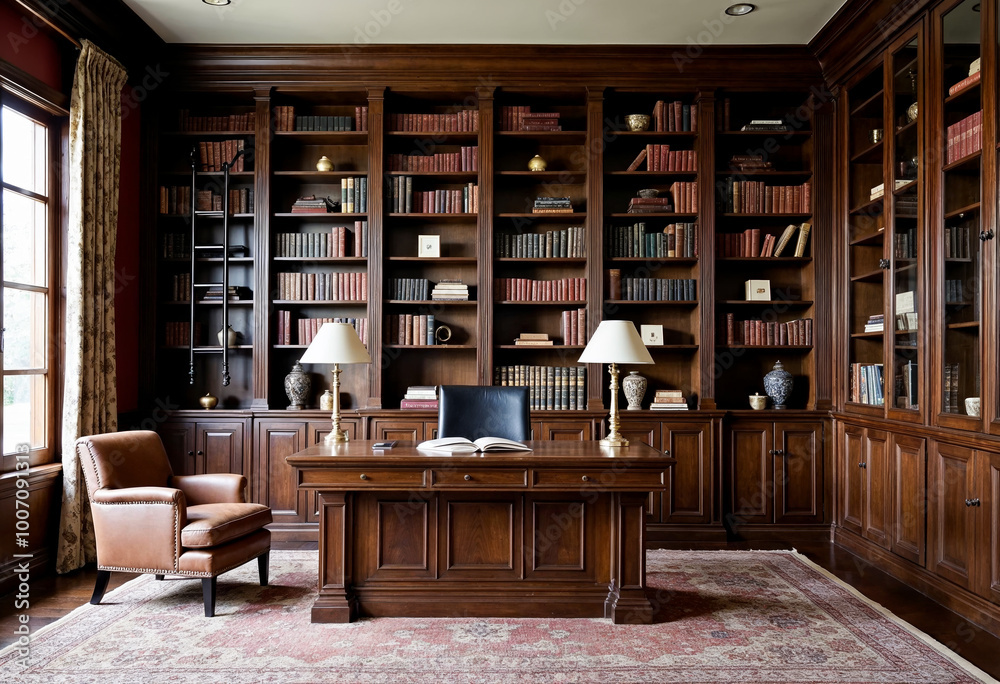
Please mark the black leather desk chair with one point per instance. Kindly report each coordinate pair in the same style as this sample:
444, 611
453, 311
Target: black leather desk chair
473, 411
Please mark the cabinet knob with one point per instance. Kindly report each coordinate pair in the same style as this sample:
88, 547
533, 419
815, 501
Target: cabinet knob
975, 502
883, 263
468, 477
586, 479
985, 235
666, 452
201, 453
363, 476
863, 465
772, 452
968, 502
190, 453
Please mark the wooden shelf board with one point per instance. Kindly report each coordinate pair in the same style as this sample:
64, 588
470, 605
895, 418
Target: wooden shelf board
877, 274
870, 204
964, 93
657, 134
968, 209
791, 303
658, 302
557, 137
564, 176
768, 215
437, 217
558, 260
910, 127
326, 302
782, 133
563, 302
911, 183
966, 163
446, 135
877, 97
658, 214
340, 260
868, 335
434, 302
757, 260
968, 325
869, 155
575, 216
642, 260
320, 174
540, 346
434, 260
325, 137
904, 269
210, 134
767, 347
647, 174
735, 172
470, 175
440, 347
328, 216
869, 239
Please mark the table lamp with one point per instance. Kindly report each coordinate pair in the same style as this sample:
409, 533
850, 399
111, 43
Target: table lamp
336, 343
615, 342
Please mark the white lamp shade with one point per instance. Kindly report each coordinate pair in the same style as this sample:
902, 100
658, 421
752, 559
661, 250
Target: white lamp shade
616, 342
336, 343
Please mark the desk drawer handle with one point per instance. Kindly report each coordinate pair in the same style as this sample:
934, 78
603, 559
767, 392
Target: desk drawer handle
468, 477
363, 476
586, 479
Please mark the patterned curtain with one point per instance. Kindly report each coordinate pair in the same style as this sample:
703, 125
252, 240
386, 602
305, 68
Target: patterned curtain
90, 404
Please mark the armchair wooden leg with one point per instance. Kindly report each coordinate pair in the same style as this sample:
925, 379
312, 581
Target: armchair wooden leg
208, 593
159, 578
100, 586
262, 564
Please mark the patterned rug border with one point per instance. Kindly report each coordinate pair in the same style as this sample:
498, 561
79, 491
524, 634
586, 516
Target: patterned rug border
959, 661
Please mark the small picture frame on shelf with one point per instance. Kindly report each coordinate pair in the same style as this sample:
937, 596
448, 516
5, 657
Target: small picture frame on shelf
429, 246
652, 335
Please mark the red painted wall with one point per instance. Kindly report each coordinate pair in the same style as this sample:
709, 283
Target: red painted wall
28, 48
127, 261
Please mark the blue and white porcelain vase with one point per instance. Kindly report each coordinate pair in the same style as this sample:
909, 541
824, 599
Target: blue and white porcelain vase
297, 387
778, 385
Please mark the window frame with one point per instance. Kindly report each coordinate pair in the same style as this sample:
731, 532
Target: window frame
55, 200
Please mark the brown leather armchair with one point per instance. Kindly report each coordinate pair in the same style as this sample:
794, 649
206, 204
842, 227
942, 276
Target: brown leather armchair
148, 520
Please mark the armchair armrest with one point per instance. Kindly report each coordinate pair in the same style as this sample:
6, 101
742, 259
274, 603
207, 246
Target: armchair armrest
211, 488
139, 528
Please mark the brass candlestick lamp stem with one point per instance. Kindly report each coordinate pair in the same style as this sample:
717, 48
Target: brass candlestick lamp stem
614, 438
337, 434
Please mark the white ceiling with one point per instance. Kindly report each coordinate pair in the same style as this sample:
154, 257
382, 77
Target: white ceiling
534, 22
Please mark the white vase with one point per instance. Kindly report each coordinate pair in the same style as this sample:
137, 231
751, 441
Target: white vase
233, 337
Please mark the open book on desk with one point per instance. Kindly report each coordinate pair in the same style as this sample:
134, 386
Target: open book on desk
461, 445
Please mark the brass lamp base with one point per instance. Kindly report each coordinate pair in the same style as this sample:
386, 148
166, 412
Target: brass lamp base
336, 435
614, 438
613, 441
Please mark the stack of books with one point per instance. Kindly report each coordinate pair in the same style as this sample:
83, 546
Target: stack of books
448, 290
651, 205
420, 397
749, 162
533, 340
552, 205
669, 400
521, 118
875, 323
765, 125
236, 293
310, 204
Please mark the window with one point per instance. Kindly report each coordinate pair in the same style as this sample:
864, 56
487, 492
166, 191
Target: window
28, 341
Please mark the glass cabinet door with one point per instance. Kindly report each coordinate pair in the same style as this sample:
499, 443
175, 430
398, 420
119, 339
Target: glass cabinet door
906, 154
866, 242
959, 143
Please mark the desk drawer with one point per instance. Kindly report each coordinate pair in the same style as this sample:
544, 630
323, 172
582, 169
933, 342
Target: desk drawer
628, 479
472, 477
362, 478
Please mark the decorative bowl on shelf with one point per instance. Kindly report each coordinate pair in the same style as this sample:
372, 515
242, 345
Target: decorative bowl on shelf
537, 163
324, 164
637, 122
208, 402
648, 193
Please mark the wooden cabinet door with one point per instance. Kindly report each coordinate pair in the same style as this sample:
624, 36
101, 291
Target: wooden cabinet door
852, 489
950, 519
875, 473
751, 455
688, 499
219, 448
988, 512
275, 479
385, 429
798, 472
570, 430
907, 497
645, 432
178, 439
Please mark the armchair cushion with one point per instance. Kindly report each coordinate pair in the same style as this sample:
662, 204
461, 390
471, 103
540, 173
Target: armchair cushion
140, 495
138, 528
211, 488
215, 524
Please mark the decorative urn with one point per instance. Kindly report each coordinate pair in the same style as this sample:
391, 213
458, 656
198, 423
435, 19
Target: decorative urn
324, 164
209, 401
297, 386
233, 337
536, 163
326, 401
778, 385
635, 389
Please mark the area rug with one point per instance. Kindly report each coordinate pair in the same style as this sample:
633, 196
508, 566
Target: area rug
722, 616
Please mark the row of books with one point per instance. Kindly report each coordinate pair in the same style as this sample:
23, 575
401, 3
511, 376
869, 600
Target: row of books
465, 160
213, 154
574, 326
754, 243
867, 384
181, 287
904, 243
338, 241
462, 120
964, 137
685, 194
354, 195
552, 205
521, 118
176, 246
420, 397
759, 333
951, 404
954, 292
450, 290
669, 400
971, 79
528, 290
879, 190
907, 386
906, 321
662, 158
176, 333
326, 287
550, 388
675, 116
409, 289
403, 199
236, 293
676, 240
568, 242
307, 328
285, 119
228, 122
175, 199
757, 197
311, 204
410, 329
749, 162
765, 125
651, 205
655, 289
956, 242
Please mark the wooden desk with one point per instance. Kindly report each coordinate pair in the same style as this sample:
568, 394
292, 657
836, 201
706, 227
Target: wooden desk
559, 531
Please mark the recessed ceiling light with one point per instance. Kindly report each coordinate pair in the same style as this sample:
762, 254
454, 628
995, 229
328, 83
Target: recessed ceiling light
217, 3
740, 8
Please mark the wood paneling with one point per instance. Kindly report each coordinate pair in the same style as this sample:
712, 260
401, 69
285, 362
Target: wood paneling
875, 474
951, 523
908, 487
798, 473
751, 453
851, 511
688, 499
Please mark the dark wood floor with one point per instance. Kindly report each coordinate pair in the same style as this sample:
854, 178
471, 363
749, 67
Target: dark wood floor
54, 597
